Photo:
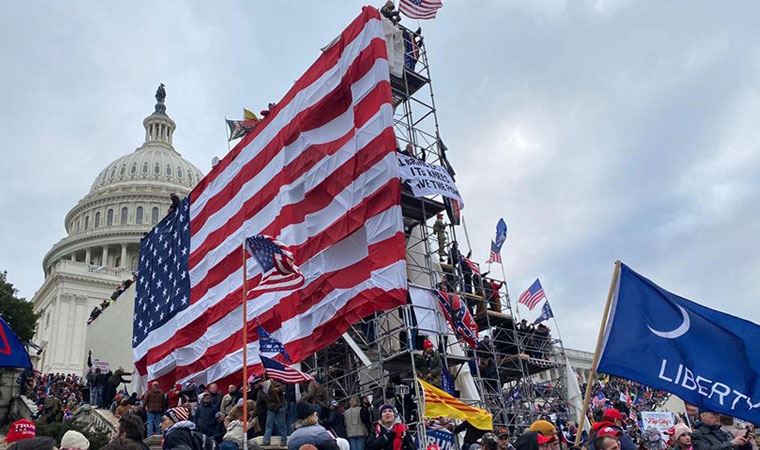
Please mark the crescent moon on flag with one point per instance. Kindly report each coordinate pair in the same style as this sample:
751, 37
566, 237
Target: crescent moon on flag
678, 332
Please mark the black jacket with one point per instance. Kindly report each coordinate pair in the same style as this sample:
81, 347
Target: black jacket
381, 438
180, 434
711, 437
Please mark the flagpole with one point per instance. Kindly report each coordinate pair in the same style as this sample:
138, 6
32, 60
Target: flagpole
509, 304
245, 350
227, 133
466, 234
595, 361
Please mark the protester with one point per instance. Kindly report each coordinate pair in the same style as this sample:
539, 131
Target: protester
154, 400
35, 443
177, 429
503, 437
429, 364
204, 416
336, 421
612, 418
709, 436
74, 440
389, 433
20, 430
355, 418
229, 399
682, 437
471, 433
310, 431
275, 404
131, 427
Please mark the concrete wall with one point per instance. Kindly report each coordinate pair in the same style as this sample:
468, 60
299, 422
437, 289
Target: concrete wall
110, 335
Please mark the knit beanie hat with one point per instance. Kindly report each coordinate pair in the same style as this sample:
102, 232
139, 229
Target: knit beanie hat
679, 429
178, 414
387, 406
74, 439
544, 427
304, 410
21, 429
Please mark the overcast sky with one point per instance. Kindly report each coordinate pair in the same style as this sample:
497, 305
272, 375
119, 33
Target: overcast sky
598, 129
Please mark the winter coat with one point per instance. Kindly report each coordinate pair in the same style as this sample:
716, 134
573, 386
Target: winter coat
381, 438
711, 437
205, 419
180, 434
228, 401
315, 394
429, 364
315, 435
354, 425
471, 433
235, 433
275, 398
336, 422
154, 400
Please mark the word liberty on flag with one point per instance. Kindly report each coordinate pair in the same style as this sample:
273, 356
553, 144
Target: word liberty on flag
420, 9
708, 358
501, 236
280, 372
274, 268
533, 295
319, 175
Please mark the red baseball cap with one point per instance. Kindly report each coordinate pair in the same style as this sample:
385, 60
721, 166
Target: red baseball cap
608, 431
20, 430
544, 439
613, 414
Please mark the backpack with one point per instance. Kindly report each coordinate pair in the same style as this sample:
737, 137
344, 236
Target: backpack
202, 442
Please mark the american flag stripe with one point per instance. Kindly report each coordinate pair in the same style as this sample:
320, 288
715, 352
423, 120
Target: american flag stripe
425, 10
301, 195
379, 200
292, 304
232, 261
299, 341
356, 61
253, 177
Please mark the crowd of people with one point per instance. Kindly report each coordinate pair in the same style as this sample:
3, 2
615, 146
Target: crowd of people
123, 286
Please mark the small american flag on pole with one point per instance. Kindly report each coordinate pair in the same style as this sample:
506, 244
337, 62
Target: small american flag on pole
275, 269
533, 295
420, 9
280, 372
495, 256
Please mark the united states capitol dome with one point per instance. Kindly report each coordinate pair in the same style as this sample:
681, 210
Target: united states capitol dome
127, 198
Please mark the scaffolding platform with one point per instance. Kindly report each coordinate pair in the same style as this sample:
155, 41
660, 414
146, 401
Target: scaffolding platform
419, 210
511, 370
406, 86
494, 319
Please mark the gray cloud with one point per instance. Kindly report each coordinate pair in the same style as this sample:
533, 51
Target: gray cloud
598, 130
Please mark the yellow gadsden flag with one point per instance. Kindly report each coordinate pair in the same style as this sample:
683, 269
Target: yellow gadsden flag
439, 403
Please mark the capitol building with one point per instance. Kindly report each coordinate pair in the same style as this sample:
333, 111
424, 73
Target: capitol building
102, 243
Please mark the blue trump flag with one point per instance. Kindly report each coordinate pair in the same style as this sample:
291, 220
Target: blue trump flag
501, 234
12, 351
706, 357
546, 314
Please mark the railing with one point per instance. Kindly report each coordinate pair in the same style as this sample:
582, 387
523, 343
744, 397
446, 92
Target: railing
95, 419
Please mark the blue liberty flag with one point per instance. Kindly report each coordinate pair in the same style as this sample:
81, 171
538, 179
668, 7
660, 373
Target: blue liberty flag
12, 351
706, 357
546, 314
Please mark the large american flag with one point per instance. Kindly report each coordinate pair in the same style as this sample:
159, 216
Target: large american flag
420, 9
533, 295
319, 175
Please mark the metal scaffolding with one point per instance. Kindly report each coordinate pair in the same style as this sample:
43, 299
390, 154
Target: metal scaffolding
515, 372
